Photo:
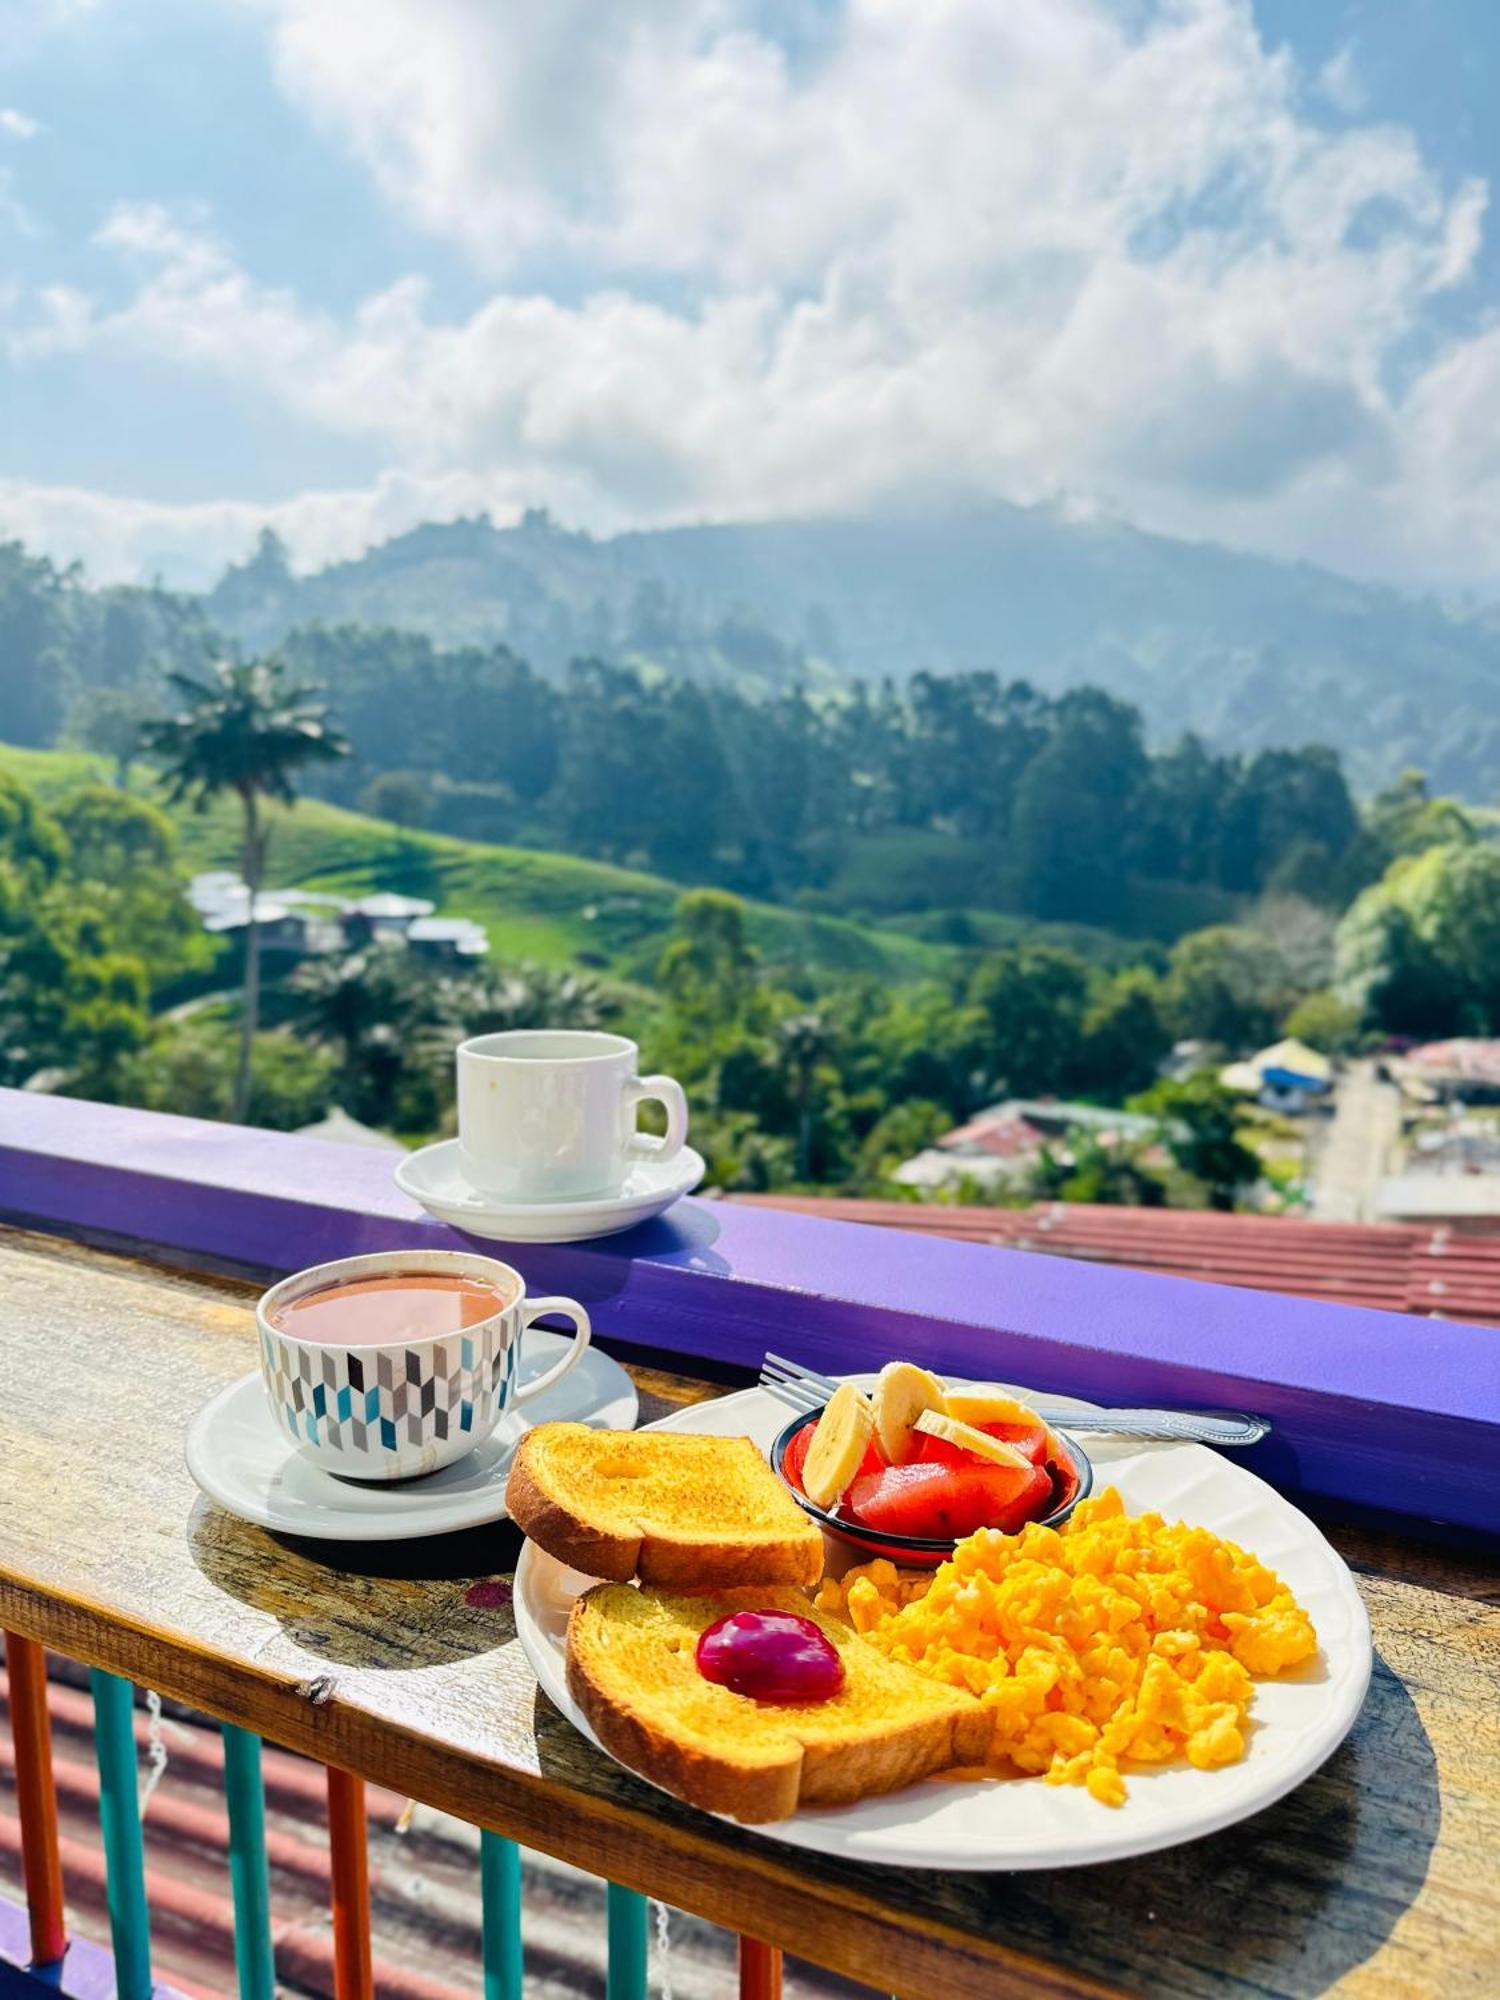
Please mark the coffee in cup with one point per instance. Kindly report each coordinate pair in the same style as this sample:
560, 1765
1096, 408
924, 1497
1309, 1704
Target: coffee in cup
393, 1365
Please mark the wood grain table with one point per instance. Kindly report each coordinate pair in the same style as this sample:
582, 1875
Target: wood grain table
1379, 1876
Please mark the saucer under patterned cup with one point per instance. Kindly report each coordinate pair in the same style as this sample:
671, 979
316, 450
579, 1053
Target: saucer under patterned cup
244, 1460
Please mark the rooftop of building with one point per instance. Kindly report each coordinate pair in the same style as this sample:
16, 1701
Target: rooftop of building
1433, 1269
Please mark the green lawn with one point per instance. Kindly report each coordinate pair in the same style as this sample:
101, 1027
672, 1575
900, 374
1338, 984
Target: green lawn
548, 908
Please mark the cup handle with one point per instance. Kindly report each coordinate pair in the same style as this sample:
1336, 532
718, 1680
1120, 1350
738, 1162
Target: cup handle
666, 1091
533, 1309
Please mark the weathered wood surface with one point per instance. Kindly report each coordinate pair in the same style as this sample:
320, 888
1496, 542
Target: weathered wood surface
1380, 1876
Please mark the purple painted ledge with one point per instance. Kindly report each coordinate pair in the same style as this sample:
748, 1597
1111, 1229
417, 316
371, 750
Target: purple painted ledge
85, 1971
1370, 1409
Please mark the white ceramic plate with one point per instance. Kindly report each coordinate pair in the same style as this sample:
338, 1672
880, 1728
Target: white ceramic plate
432, 1177
242, 1458
1021, 1822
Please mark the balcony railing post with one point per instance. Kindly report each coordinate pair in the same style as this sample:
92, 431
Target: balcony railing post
500, 1889
627, 1944
36, 1799
353, 1977
120, 1819
760, 1970
249, 1876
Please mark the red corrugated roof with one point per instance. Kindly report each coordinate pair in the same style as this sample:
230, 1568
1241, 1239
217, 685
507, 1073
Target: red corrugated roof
1004, 1138
1400, 1267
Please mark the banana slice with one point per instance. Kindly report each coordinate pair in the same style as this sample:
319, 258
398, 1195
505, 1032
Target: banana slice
938, 1424
903, 1391
838, 1444
971, 1408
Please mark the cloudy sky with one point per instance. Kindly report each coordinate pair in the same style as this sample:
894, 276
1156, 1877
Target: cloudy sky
1223, 270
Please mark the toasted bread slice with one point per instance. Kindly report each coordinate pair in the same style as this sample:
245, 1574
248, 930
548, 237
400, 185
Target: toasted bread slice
632, 1669
690, 1513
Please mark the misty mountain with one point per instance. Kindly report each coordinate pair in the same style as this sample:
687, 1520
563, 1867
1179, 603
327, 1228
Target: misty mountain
1247, 651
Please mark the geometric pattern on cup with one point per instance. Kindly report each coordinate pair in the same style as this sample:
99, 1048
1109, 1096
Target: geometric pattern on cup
371, 1400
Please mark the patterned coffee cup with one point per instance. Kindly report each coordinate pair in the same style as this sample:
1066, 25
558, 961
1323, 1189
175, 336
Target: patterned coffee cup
408, 1407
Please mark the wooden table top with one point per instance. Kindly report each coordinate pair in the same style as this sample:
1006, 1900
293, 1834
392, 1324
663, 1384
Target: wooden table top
1379, 1876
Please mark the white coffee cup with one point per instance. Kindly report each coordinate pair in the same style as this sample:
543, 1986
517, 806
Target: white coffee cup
549, 1114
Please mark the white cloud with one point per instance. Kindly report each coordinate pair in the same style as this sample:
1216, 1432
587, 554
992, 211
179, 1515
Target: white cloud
15, 216
125, 540
959, 248
16, 125
1341, 83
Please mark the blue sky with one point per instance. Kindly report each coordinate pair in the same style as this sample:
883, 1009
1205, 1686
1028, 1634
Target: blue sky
1222, 270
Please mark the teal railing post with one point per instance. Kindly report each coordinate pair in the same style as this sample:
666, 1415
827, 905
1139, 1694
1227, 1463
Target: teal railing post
627, 1944
120, 1821
249, 1876
500, 1891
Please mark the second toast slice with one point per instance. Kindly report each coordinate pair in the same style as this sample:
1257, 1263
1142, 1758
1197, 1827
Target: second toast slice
632, 1669
669, 1507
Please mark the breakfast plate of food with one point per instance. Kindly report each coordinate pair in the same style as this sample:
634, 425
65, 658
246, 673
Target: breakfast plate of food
1057, 1657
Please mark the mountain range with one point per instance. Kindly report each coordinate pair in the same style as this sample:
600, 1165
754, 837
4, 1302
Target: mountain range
1244, 650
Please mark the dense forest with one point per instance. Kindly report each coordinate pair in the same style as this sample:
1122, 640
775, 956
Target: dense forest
1246, 652
798, 1076
1217, 898
944, 793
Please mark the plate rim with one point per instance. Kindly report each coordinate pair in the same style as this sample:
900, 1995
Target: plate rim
484, 1511
813, 1825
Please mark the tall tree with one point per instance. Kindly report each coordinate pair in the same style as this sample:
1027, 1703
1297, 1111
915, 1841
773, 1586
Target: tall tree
1125, 1035
1033, 998
245, 730
1419, 952
108, 720
393, 1022
1200, 1123
1073, 806
491, 1001
708, 967
1228, 985
806, 1044
1406, 818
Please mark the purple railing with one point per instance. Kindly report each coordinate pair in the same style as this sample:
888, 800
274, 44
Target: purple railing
1370, 1409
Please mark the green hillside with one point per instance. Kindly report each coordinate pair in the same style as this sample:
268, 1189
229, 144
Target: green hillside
549, 908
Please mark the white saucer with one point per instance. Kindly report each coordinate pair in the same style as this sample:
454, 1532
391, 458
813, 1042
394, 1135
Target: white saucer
243, 1459
432, 1177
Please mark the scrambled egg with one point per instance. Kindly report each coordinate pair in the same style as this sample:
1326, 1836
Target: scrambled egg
1113, 1640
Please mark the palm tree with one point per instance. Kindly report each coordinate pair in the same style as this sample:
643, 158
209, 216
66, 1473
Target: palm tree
530, 996
806, 1042
343, 1000
244, 730
387, 1016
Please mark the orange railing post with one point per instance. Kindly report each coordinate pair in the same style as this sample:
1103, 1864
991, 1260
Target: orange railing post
36, 1800
353, 1978
760, 1970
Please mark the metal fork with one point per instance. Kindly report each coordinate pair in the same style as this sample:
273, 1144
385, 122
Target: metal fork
807, 1389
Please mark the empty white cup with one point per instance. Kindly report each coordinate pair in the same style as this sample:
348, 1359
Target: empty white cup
548, 1115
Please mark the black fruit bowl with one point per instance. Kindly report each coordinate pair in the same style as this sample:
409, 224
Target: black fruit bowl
1072, 1481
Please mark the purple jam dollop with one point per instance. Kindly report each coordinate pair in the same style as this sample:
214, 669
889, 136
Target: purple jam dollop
771, 1656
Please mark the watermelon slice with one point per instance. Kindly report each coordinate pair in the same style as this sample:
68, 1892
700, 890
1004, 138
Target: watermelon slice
947, 1502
